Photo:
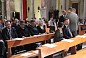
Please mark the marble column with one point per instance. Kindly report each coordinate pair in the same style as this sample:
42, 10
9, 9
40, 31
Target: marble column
44, 8
8, 9
84, 14
21, 9
32, 8
3, 13
63, 5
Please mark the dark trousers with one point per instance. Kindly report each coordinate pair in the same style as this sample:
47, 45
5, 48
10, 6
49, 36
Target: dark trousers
79, 46
2, 49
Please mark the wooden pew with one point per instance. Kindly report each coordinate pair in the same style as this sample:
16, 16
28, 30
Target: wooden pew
81, 53
26, 40
46, 51
82, 29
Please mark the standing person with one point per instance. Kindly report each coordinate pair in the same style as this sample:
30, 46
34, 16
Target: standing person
74, 23
63, 16
73, 17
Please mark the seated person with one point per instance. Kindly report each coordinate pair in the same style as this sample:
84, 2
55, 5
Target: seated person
32, 28
66, 30
9, 33
58, 36
40, 27
22, 31
2, 47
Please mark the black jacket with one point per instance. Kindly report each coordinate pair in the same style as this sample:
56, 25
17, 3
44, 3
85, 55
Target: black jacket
33, 30
66, 32
6, 36
23, 32
62, 18
58, 36
40, 30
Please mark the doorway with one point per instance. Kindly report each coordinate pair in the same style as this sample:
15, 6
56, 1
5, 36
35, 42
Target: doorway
75, 5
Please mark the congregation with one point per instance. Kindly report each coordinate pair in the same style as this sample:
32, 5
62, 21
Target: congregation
65, 27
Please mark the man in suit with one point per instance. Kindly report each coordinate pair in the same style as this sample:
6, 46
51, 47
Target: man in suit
73, 17
63, 16
8, 33
33, 28
22, 31
66, 30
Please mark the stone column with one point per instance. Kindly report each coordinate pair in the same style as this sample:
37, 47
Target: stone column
8, 9
3, 14
44, 8
32, 8
63, 4
21, 9
84, 14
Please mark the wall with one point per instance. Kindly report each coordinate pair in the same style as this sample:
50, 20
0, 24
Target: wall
59, 6
17, 5
36, 4
29, 12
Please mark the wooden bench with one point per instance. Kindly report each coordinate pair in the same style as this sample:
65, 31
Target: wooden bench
26, 40
62, 45
81, 53
82, 29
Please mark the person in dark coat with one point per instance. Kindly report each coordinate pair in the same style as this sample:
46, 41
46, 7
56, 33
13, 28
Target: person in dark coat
63, 16
40, 27
2, 47
58, 36
8, 32
22, 30
66, 30
33, 28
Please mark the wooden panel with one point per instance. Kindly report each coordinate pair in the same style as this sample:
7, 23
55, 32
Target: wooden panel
27, 40
81, 54
81, 31
46, 51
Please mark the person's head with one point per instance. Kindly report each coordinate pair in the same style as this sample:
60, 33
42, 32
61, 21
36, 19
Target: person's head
70, 10
60, 25
67, 21
22, 24
0, 21
74, 10
33, 23
16, 21
8, 24
64, 12
28, 22
40, 23
82, 20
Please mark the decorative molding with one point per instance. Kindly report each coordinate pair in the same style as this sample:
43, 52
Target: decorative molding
75, 1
